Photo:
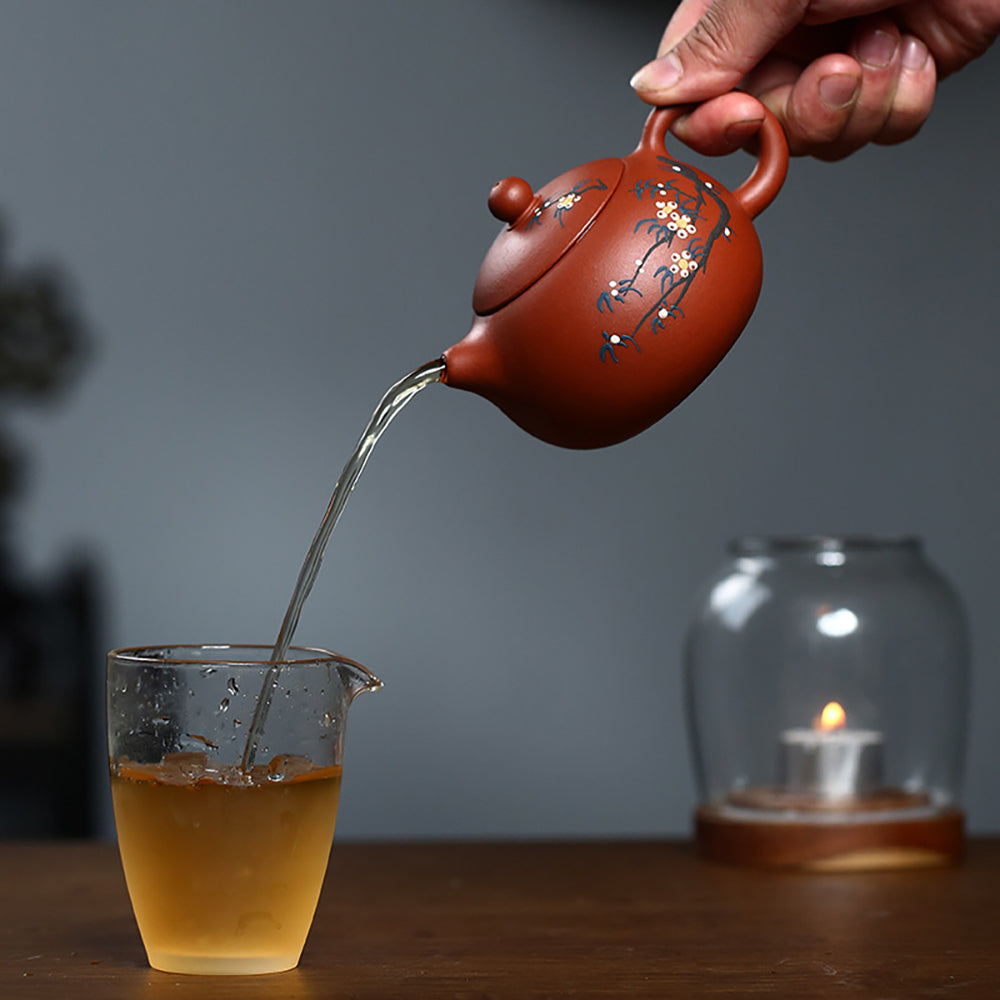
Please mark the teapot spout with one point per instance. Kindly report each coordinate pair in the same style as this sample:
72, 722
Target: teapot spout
473, 363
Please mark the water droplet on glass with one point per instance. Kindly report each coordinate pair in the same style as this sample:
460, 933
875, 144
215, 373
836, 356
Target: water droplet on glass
234, 688
224, 705
327, 719
236, 723
208, 671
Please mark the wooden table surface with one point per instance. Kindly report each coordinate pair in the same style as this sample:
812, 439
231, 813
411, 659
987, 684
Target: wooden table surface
478, 921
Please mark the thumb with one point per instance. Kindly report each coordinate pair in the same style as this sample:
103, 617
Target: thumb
709, 47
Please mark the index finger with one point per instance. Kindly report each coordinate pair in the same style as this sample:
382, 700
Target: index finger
710, 45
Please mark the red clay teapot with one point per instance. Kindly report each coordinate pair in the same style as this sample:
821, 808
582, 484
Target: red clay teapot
614, 290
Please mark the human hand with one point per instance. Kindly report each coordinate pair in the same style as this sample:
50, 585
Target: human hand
837, 73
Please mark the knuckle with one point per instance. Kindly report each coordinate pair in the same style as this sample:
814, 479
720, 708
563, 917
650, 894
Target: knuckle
711, 40
900, 127
910, 108
814, 131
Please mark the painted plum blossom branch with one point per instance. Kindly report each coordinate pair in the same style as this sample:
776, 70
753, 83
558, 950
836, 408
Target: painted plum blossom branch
679, 213
560, 203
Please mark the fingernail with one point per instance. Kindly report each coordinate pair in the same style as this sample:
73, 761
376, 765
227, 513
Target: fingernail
915, 54
737, 133
659, 75
877, 49
838, 90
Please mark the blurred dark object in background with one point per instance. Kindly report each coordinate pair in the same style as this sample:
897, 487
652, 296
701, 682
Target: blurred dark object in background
48, 651
48, 628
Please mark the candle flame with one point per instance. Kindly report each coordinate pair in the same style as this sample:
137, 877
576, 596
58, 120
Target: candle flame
833, 716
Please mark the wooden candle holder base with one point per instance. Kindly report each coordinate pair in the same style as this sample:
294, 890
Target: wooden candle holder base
828, 843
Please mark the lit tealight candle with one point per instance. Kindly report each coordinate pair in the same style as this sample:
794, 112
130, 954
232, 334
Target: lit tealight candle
830, 760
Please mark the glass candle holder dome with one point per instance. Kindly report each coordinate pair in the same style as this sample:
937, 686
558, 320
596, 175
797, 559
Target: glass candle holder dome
827, 685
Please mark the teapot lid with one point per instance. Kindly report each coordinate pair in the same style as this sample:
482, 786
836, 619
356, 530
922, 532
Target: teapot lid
540, 228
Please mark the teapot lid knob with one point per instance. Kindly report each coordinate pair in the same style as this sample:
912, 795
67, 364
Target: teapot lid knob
509, 199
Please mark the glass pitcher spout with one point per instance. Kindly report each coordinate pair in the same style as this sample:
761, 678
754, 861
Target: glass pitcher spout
356, 678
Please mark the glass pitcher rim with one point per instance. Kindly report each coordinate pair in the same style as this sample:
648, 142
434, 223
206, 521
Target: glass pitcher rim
314, 655
750, 545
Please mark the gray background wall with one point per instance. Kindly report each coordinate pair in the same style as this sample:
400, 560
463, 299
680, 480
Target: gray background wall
273, 211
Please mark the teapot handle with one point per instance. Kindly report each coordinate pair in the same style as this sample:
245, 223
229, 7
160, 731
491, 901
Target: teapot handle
763, 184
